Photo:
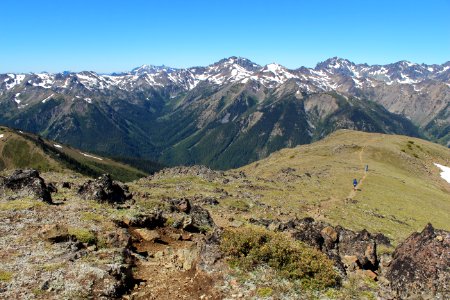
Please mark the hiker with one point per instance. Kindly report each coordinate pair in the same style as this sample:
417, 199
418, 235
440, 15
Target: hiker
367, 168
355, 183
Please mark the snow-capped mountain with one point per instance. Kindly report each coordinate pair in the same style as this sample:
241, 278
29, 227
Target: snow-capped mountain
233, 91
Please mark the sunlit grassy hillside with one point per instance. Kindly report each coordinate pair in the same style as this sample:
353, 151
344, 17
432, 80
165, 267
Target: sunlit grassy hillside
401, 192
23, 150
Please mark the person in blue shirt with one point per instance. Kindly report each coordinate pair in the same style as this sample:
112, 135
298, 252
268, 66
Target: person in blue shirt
355, 183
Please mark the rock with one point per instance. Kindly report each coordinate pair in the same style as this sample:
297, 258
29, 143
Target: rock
52, 188
199, 220
148, 235
181, 205
350, 262
360, 244
66, 185
55, 233
236, 223
420, 265
209, 201
149, 220
104, 189
186, 237
187, 257
175, 236
381, 239
329, 234
307, 231
27, 182
370, 274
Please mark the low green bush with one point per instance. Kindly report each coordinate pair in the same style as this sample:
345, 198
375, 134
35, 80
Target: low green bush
250, 247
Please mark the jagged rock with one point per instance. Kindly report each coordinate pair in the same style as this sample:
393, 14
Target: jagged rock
148, 235
420, 265
119, 238
104, 189
198, 220
149, 220
360, 244
210, 252
27, 182
181, 205
55, 233
307, 231
52, 187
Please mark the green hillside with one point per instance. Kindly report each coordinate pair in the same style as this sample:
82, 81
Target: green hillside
400, 193
24, 150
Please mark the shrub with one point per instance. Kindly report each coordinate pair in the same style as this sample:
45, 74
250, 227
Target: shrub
83, 235
239, 204
248, 247
5, 275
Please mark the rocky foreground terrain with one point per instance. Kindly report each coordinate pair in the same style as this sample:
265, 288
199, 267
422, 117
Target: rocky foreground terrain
65, 236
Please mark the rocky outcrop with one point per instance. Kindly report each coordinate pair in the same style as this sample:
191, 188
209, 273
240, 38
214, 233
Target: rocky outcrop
421, 265
104, 189
349, 250
149, 220
198, 220
27, 183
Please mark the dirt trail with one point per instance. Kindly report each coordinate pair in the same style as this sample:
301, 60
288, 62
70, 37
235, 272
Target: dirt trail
361, 180
317, 213
166, 267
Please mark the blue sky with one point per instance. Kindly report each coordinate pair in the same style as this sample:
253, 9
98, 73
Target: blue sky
107, 36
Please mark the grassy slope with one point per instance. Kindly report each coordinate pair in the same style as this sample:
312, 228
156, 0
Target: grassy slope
21, 150
401, 193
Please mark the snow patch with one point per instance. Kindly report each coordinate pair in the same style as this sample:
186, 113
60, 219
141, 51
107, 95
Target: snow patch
57, 146
1, 135
445, 174
16, 79
46, 99
91, 156
17, 100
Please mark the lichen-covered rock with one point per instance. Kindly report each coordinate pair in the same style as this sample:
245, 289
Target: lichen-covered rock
104, 189
55, 233
147, 220
27, 182
198, 220
360, 244
420, 265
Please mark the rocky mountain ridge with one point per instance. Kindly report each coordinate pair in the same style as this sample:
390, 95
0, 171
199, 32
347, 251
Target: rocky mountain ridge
173, 115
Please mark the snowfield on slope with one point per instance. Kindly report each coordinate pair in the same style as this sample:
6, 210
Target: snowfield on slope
445, 174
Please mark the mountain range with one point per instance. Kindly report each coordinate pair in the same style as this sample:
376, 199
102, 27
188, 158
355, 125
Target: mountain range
227, 114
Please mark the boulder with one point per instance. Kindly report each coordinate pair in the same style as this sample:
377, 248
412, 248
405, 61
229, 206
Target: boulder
181, 205
27, 182
198, 220
104, 189
360, 244
55, 233
307, 231
148, 220
420, 265
148, 235
52, 188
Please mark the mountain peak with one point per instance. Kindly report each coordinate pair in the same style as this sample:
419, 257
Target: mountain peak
241, 61
149, 69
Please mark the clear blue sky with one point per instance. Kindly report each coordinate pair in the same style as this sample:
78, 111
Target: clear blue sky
107, 36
